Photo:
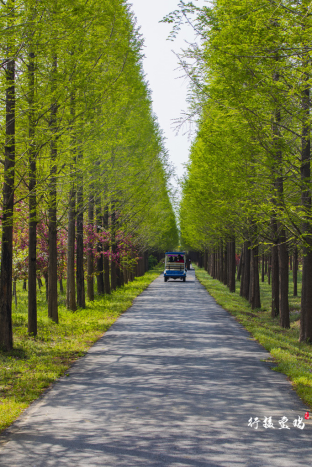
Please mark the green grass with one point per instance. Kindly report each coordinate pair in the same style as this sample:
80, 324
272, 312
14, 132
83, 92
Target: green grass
35, 363
292, 357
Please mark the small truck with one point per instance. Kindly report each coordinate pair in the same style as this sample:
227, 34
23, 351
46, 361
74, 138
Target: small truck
175, 266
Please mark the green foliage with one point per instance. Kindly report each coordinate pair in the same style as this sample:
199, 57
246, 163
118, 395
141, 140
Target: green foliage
249, 77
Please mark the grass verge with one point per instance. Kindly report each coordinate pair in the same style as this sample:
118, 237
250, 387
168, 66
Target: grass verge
292, 357
35, 363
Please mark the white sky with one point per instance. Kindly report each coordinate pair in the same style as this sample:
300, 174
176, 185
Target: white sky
160, 65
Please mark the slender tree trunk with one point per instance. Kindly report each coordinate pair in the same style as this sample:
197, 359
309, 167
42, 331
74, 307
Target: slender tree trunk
232, 266
90, 257
275, 281
225, 262
52, 268
306, 292
71, 234
6, 333
114, 250
99, 261
32, 224
221, 263
239, 270
283, 280
46, 280
107, 287
279, 231
71, 287
15, 292
262, 267
246, 271
295, 271
81, 301
254, 279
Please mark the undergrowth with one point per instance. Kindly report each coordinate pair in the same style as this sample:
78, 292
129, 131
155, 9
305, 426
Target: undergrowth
292, 357
35, 363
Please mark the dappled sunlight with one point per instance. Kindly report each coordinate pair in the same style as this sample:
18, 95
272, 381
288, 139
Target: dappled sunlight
173, 382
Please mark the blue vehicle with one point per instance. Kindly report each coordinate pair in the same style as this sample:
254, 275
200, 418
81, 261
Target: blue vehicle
175, 266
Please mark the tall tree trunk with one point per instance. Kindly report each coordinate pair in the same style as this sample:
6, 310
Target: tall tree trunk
275, 281
114, 249
221, 262
107, 287
239, 269
90, 256
254, 279
71, 287
225, 262
6, 333
306, 292
46, 280
52, 268
99, 260
282, 288
245, 282
71, 233
262, 267
81, 301
283, 281
32, 224
295, 271
232, 266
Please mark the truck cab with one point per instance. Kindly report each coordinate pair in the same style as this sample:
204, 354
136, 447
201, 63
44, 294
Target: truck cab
175, 266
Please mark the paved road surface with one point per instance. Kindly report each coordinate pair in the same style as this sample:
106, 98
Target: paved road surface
172, 383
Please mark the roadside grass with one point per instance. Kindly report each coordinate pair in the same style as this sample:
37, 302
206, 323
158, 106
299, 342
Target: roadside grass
35, 363
292, 357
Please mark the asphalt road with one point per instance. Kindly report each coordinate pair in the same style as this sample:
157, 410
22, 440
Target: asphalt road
173, 382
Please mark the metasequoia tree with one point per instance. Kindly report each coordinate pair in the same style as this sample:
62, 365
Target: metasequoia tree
75, 95
254, 74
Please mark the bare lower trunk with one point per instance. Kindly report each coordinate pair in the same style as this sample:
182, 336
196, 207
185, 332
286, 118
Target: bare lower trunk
107, 287
46, 280
232, 266
32, 205
239, 269
6, 333
245, 281
306, 293
90, 257
99, 260
114, 251
295, 271
52, 268
275, 281
81, 301
283, 281
254, 298
225, 261
15, 292
71, 287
